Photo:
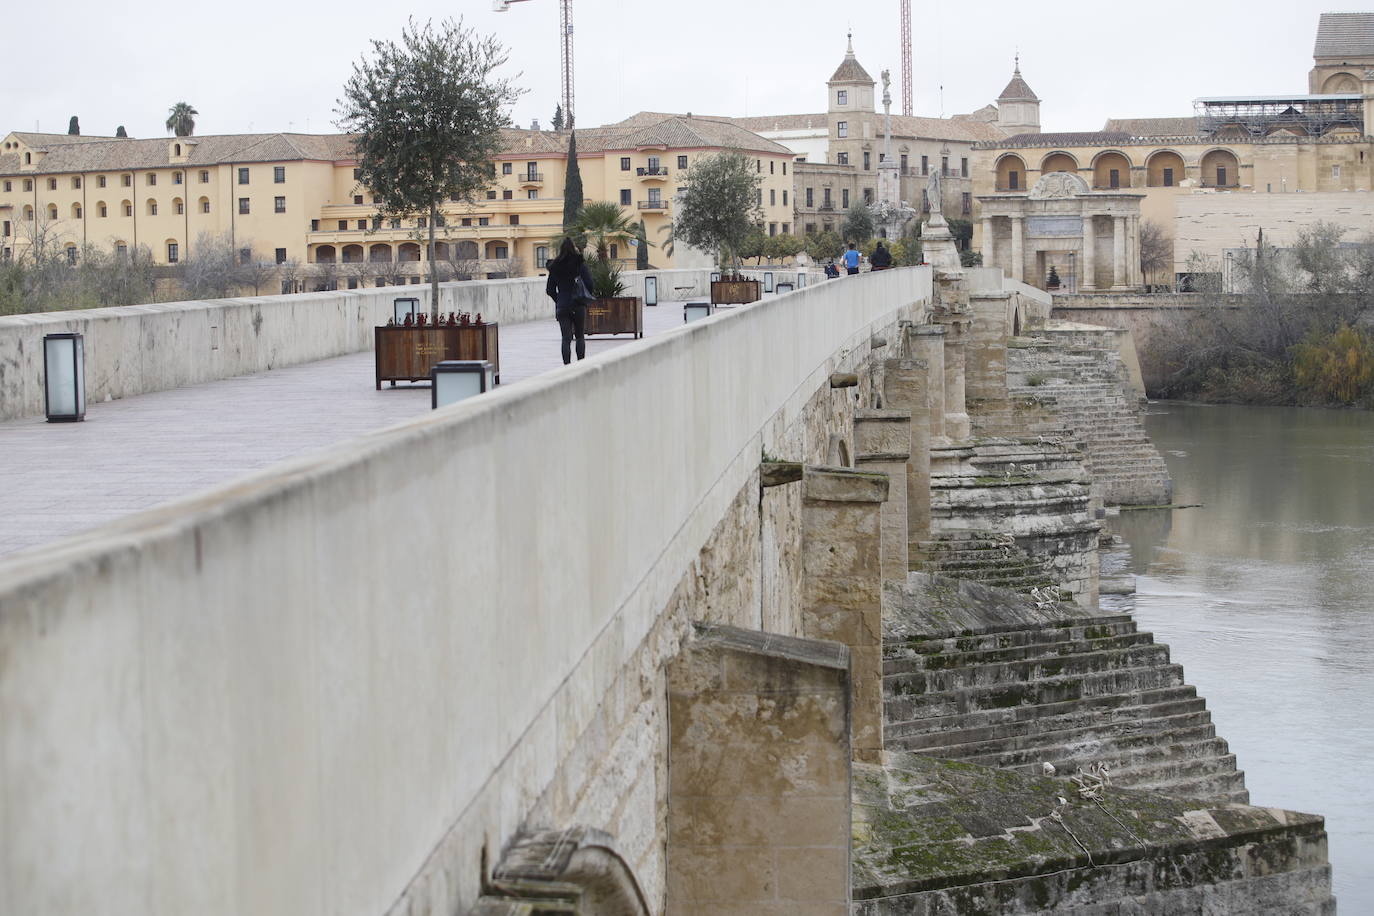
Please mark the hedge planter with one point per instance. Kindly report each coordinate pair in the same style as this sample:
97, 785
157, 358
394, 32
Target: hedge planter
408, 354
618, 315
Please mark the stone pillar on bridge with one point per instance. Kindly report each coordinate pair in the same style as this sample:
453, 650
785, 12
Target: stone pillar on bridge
882, 443
842, 584
758, 774
906, 387
989, 243
952, 312
1118, 252
1088, 283
1018, 248
928, 346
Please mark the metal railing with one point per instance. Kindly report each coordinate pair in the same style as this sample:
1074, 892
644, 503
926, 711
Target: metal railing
528, 177
653, 205
659, 172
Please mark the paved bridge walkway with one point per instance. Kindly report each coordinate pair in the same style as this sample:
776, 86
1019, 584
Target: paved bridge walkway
131, 454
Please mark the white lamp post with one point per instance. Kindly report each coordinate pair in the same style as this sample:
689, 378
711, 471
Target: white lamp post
64, 377
453, 380
801, 279
695, 310
405, 305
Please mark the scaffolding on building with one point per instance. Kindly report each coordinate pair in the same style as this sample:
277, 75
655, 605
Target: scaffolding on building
1260, 116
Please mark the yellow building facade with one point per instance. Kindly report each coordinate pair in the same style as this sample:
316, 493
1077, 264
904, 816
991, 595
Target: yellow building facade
294, 200
1253, 145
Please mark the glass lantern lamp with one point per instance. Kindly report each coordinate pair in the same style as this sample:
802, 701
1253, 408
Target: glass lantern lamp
454, 380
693, 311
715, 276
784, 288
405, 305
801, 279
64, 377
767, 281
651, 290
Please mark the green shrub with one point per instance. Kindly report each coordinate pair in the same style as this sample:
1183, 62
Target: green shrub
1338, 367
606, 282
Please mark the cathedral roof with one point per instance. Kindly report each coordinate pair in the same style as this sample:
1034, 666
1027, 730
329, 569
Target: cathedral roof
1017, 90
1152, 127
850, 70
1345, 36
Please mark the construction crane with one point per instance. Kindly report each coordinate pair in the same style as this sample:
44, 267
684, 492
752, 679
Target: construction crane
566, 26
906, 57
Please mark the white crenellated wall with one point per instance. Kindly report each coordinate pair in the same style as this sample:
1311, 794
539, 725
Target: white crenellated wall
285, 695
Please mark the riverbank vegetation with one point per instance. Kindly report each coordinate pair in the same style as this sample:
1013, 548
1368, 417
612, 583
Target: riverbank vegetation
1295, 327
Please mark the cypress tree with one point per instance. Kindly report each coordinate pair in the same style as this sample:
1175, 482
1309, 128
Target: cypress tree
642, 249
572, 185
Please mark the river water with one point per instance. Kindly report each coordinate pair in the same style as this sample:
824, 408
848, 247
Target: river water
1266, 597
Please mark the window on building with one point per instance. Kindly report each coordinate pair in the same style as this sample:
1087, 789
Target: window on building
507, 194
466, 221
180, 206
842, 158
343, 224
314, 225
842, 97
963, 167
825, 198
868, 195
624, 163
925, 202
682, 162
615, 252
71, 255
76, 211
126, 180
810, 228
1221, 176
281, 255
102, 209
1114, 178
376, 223
532, 194
771, 165
967, 203
176, 178
357, 200
1168, 178
243, 205
1013, 180
440, 221
128, 208
759, 199
784, 168
173, 252
655, 196
810, 197
245, 255
784, 198
507, 168
99, 182
357, 174
772, 197
205, 208
76, 180
925, 165
52, 184
532, 171
1335, 171
28, 184
6, 230
514, 219
421, 222
360, 224
121, 251
279, 177
9, 186
626, 197
772, 228
758, 166
541, 256
483, 221
279, 205
152, 208
903, 163
243, 176
944, 165
204, 176
491, 195
844, 198
395, 222
842, 129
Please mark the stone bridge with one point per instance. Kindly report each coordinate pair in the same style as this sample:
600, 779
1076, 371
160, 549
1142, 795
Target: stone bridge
611, 639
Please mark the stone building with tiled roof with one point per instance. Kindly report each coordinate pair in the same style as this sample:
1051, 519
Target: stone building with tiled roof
294, 199
1265, 146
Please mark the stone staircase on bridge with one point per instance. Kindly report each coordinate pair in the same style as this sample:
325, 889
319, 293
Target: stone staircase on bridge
990, 677
1083, 391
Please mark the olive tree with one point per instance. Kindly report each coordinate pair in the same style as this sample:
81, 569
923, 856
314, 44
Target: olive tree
426, 115
719, 204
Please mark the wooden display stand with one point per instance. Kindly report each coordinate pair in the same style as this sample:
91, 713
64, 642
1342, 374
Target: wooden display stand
735, 292
407, 354
619, 315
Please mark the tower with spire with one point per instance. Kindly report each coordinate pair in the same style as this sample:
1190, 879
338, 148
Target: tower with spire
1018, 108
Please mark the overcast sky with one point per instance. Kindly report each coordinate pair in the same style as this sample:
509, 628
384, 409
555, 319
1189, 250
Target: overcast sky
258, 66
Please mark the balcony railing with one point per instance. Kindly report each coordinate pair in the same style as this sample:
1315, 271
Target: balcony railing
653, 205
658, 172
826, 206
531, 177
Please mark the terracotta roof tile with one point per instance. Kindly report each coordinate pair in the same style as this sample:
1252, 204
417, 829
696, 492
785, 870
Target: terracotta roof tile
1152, 127
1017, 90
1345, 36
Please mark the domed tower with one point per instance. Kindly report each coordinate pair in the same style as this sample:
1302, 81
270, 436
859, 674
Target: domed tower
851, 111
1018, 108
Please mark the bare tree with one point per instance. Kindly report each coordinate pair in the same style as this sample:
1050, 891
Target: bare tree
1156, 249
211, 269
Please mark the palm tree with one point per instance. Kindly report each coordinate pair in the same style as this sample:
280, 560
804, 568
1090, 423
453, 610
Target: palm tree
602, 224
181, 119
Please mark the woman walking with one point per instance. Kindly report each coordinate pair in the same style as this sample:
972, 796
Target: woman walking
570, 303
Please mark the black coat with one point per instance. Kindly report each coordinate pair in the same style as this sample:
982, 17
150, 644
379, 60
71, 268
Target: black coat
880, 258
563, 282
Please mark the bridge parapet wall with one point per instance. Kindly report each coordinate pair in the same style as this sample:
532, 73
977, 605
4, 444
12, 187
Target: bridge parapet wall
344, 683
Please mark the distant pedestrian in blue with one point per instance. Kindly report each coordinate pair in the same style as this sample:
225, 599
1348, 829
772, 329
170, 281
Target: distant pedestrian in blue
851, 260
570, 303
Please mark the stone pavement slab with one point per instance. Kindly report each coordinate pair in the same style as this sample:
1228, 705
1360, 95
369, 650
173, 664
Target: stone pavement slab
59, 479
